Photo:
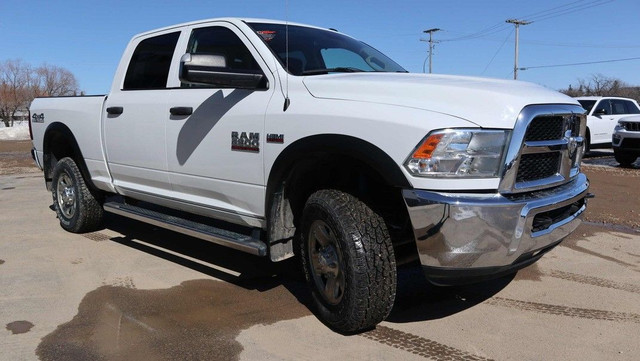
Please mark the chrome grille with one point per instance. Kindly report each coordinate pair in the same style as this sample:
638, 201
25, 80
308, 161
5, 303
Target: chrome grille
631, 126
545, 128
538, 166
545, 149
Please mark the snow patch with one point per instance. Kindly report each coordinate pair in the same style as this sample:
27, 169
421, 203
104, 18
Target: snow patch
20, 131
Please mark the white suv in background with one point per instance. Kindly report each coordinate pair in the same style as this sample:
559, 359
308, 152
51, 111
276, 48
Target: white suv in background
626, 140
603, 114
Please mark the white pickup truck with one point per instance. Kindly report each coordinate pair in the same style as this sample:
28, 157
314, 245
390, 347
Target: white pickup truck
285, 139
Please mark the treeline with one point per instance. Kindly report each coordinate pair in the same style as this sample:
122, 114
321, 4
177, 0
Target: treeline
21, 82
601, 85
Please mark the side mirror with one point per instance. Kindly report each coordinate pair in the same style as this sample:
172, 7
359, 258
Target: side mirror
207, 69
600, 111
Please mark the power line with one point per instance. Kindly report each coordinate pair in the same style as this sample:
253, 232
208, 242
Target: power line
539, 13
553, 12
482, 33
571, 10
494, 55
578, 45
564, 9
549, 43
574, 64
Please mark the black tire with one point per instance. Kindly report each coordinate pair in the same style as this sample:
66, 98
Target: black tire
77, 208
343, 240
624, 158
587, 142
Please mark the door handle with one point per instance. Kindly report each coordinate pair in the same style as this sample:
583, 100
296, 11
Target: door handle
181, 110
115, 110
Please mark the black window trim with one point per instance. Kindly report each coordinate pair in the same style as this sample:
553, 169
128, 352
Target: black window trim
173, 30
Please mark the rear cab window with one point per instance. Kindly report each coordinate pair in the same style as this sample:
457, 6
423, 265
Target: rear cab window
150, 63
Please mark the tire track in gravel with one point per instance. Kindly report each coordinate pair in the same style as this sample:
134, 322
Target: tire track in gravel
593, 281
418, 345
558, 310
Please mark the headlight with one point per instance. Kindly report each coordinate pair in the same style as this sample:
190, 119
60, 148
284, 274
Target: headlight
470, 153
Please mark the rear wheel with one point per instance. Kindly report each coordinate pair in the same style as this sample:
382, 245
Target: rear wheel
77, 208
348, 261
624, 158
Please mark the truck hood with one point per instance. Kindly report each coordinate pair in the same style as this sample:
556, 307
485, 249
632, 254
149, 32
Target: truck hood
488, 103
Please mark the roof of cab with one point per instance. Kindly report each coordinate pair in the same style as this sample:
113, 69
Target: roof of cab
596, 97
227, 19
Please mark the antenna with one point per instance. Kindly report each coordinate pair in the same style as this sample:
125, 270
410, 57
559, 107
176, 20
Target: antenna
286, 46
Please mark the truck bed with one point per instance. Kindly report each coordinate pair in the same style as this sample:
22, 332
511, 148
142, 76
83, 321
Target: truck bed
81, 116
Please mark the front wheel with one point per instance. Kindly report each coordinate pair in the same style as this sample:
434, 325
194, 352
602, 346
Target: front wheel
77, 208
348, 261
625, 159
587, 142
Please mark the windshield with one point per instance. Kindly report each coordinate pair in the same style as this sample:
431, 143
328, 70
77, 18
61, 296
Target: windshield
587, 104
316, 51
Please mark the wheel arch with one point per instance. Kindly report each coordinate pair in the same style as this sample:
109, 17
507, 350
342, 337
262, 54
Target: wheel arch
59, 142
353, 147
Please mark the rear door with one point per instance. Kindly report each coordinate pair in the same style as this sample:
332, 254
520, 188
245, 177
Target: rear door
215, 154
135, 119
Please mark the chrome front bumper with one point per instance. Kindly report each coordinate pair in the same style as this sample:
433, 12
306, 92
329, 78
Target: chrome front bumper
491, 233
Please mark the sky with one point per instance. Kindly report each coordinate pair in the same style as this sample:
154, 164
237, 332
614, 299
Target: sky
87, 37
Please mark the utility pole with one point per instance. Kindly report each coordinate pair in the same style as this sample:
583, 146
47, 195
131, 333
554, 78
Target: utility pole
431, 42
517, 23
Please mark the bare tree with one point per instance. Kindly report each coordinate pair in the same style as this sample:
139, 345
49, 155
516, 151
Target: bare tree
601, 85
16, 83
55, 81
20, 83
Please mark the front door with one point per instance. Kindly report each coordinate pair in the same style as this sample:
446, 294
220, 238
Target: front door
215, 154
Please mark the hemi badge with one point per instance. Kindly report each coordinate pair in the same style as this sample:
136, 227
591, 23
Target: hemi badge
275, 138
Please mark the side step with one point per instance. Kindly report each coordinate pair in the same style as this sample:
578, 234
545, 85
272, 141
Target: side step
218, 236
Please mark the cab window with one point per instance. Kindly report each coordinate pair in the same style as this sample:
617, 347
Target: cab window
150, 63
631, 107
218, 40
603, 107
618, 106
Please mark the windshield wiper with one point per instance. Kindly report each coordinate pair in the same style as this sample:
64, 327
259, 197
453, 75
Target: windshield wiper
332, 70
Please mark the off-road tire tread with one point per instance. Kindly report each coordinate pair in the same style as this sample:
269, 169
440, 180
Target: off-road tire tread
370, 295
89, 212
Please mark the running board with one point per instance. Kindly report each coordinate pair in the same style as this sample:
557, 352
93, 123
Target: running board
218, 236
